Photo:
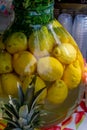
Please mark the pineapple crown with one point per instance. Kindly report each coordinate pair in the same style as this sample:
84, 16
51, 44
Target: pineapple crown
30, 4
23, 113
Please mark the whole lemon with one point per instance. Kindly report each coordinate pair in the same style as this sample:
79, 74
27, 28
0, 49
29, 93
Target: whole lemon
5, 62
65, 53
72, 75
49, 68
24, 63
16, 42
41, 42
9, 84
56, 24
58, 92
59, 30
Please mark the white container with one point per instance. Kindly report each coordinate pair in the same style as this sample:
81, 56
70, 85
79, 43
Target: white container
79, 32
66, 20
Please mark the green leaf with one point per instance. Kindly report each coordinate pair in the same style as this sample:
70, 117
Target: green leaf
28, 99
23, 111
26, 3
14, 104
36, 96
32, 113
9, 110
11, 121
22, 122
20, 94
29, 95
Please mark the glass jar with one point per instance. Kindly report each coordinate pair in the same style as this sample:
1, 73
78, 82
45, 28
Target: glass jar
36, 44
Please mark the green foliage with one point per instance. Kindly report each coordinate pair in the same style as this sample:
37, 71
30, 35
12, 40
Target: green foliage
24, 4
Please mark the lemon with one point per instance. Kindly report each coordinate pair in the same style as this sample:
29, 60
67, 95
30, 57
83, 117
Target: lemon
72, 75
61, 33
9, 84
55, 23
39, 84
49, 68
41, 42
5, 62
65, 53
24, 63
58, 92
16, 42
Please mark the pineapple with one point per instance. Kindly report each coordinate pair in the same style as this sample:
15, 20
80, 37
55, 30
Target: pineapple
23, 113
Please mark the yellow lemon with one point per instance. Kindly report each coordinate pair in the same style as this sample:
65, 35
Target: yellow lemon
72, 75
9, 83
58, 92
65, 53
16, 42
39, 84
24, 63
41, 42
5, 62
55, 23
59, 30
49, 68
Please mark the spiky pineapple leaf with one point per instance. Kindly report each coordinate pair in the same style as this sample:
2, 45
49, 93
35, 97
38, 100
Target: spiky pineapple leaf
32, 113
22, 122
9, 110
23, 111
29, 95
26, 114
13, 123
28, 99
20, 94
36, 96
14, 104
